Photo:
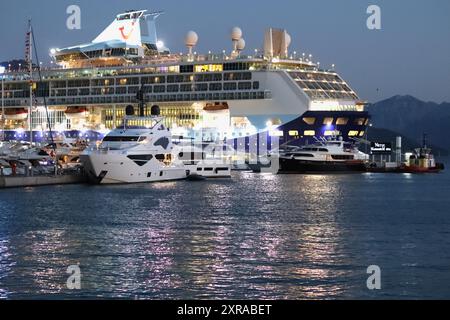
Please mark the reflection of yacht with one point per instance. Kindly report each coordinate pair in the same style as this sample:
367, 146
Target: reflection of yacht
140, 150
326, 155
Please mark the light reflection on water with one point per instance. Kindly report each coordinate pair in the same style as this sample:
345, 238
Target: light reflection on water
255, 236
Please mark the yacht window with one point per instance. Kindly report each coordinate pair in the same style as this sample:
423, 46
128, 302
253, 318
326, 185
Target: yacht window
305, 155
309, 133
323, 150
293, 133
120, 139
342, 157
142, 138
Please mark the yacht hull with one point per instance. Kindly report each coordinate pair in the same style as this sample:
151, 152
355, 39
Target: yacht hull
102, 169
303, 166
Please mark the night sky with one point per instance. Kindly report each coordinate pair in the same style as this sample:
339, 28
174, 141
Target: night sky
409, 55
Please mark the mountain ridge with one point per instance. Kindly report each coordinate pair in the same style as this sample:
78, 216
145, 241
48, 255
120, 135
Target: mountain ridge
412, 117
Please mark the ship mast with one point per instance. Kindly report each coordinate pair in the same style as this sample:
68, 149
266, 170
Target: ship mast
29, 60
33, 41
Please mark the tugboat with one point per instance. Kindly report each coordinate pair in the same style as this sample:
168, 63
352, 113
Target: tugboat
421, 161
326, 155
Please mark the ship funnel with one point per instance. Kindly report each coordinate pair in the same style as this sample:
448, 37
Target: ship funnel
276, 43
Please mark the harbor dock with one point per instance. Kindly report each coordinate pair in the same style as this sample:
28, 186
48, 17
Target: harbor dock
33, 181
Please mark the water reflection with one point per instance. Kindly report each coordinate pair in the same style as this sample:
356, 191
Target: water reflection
255, 236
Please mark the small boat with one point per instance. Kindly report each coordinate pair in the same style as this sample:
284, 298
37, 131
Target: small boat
421, 161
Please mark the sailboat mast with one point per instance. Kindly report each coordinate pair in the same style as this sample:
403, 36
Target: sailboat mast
29, 59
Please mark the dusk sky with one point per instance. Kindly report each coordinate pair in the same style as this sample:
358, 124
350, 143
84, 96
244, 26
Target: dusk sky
409, 55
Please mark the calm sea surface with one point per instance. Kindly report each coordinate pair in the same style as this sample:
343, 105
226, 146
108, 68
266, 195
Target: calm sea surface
256, 236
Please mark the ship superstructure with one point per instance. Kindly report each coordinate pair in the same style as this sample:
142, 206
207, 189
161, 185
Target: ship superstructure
212, 96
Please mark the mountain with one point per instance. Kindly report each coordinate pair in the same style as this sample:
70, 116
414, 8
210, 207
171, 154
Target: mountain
411, 118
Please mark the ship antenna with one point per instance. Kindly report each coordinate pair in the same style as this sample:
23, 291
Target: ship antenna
40, 80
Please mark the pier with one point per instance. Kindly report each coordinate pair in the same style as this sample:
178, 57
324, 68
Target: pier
34, 181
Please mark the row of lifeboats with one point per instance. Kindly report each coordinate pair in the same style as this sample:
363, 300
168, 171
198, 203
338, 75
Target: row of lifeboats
20, 114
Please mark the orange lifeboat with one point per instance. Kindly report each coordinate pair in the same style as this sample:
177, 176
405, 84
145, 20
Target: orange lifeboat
16, 114
217, 106
76, 112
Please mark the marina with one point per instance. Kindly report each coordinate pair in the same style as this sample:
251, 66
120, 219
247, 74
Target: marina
209, 154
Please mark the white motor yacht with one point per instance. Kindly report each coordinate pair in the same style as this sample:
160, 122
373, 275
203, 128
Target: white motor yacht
140, 150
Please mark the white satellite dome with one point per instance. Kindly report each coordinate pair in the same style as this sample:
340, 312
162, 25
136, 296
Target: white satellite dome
236, 34
191, 39
241, 44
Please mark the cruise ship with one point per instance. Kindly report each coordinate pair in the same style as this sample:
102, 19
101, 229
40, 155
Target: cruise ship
231, 96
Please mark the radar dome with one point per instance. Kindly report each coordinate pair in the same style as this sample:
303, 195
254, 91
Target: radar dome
191, 39
241, 44
236, 34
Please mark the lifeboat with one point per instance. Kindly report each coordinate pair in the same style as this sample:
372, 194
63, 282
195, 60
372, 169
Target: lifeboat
217, 106
76, 112
16, 114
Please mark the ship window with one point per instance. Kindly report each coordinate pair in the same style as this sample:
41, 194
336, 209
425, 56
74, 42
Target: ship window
160, 88
328, 133
342, 121
245, 85
230, 86
187, 69
172, 88
255, 85
309, 120
215, 86
353, 133
293, 133
309, 133
362, 133
360, 121
328, 121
